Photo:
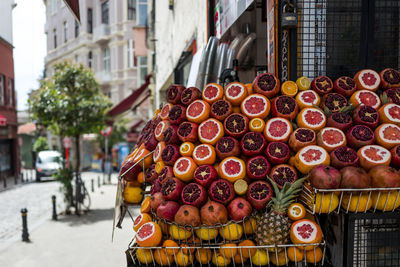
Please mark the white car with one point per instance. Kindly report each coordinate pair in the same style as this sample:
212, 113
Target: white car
47, 163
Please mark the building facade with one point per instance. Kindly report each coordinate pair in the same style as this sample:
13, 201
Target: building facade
8, 114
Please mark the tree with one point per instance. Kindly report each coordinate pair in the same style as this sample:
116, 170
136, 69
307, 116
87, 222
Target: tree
40, 144
117, 135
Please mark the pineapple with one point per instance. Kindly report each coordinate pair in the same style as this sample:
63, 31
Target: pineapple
274, 226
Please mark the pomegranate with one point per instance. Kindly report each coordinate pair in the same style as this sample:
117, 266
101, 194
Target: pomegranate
390, 78
283, 174
300, 138
266, 84
174, 93
151, 174
221, 191
384, 177
359, 136
344, 156
172, 188
189, 95
345, 86
239, 208
258, 167
167, 210
194, 194
322, 85
165, 173
259, 194
227, 147
204, 175
236, 125
284, 107
129, 171
366, 115
333, 102
213, 213
170, 154
171, 135
177, 114
277, 152
156, 201
156, 187
187, 215
253, 143
395, 151
221, 109
353, 177
393, 94
150, 141
325, 177
340, 120
187, 132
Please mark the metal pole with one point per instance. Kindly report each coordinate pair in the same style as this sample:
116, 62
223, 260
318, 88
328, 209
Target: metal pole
92, 183
53, 200
25, 234
106, 157
98, 181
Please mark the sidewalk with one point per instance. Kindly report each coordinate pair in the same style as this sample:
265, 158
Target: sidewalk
75, 241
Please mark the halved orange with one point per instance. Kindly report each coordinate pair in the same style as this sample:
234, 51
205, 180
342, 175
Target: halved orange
240, 186
159, 166
314, 233
212, 92
256, 106
158, 151
184, 168
307, 99
373, 155
186, 149
143, 154
235, 92
278, 129
204, 154
331, 138
210, 131
367, 80
149, 235
390, 113
296, 211
310, 156
388, 135
145, 207
198, 111
303, 83
365, 97
232, 169
311, 118
141, 219
164, 114
257, 125
289, 88
159, 130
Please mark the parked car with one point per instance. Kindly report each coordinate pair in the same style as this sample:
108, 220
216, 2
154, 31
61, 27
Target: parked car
47, 163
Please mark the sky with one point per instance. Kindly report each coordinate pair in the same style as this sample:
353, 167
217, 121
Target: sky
29, 42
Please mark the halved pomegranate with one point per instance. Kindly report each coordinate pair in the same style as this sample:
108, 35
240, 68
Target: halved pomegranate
205, 175
221, 109
390, 78
359, 136
236, 125
266, 84
177, 114
345, 86
395, 151
172, 188
340, 120
258, 168
171, 135
166, 172
344, 156
194, 194
253, 143
187, 132
221, 191
170, 154
282, 174
227, 147
259, 194
322, 85
285, 107
393, 94
277, 152
366, 115
302, 137
189, 95
174, 93
333, 102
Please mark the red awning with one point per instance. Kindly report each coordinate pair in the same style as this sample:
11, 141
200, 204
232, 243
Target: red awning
125, 104
3, 120
73, 5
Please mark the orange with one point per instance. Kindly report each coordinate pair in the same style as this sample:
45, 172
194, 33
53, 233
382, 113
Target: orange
389, 113
164, 228
145, 207
170, 243
289, 88
296, 211
372, 77
158, 151
235, 92
232, 169
204, 154
239, 259
249, 87
212, 92
257, 125
159, 166
133, 184
182, 259
210, 131
278, 129
314, 236
314, 255
250, 226
303, 83
149, 235
255, 106
140, 177
220, 260
228, 250
311, 118
133, 195
247, 252
163, 258
164, 114
145, 255
365, 97
331, 138
373, 155
294, 254
184, 168
203, 255
198, 111
307, 99
143, 155
310, 156
279, 259
140, 220
388, 135
186, 149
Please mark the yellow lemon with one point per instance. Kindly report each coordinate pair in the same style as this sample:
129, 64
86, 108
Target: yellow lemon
260, 258
179, 233
231, 231
326, 203
144, 255
303, 83
388, 199
219, 260
206, 233
358, 203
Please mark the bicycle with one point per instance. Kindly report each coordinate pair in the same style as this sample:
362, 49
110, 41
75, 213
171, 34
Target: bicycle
82, 196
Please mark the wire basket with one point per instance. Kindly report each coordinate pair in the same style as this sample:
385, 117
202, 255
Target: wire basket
364, 200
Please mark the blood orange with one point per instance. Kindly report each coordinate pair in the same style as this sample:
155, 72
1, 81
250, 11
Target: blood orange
160, 128
204, 154
158, 151
307, 98
311, 118
256, 106
373, 155
305, 232
367, 80
331, 138
232, 169
212, 92
310, 156
149, 235
210, 131
186, 149
164, 114
257, 125
235, 92
198, 111
184, 168
388, 135
140, 220
278, 129
365, 97
390, 113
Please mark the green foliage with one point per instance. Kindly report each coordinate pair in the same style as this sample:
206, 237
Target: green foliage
65, 176
117, 135
40, 144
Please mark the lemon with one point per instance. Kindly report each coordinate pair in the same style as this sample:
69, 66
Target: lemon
179, 233
219, 260
144, 255
326, 203
389, 199
133, 195
260, 258
231, 231
303, 83
240, 187
206, 233
358, 203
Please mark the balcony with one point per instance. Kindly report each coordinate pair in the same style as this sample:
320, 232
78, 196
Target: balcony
101, 33
104, 77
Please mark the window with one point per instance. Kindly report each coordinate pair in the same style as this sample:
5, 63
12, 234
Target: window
90, 20
55, 38
131, 9
76, 58
90, 59
65, 31
131, 54
106, 59
142, 64
10, 92
104, 12
2, 90
76, 28
54, 6
142, 6
6, 155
